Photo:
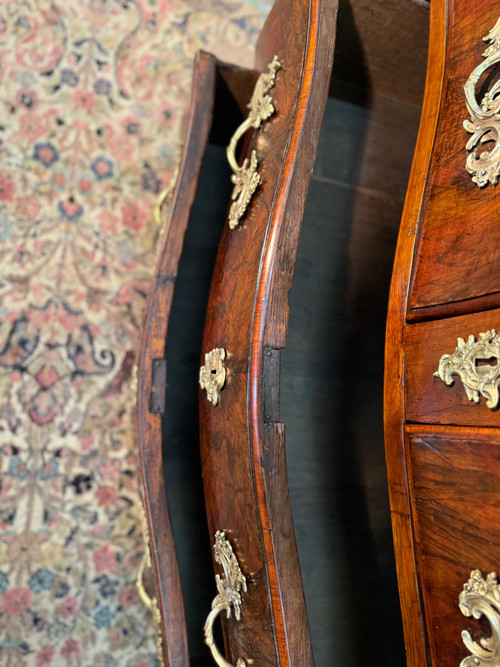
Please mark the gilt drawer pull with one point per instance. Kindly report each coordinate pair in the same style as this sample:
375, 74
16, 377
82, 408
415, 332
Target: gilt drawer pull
485, 120
229, 587
481, 597
477, 365
213, 374
246, 178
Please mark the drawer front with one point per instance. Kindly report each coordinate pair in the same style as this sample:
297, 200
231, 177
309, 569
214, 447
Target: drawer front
242, 439
455, 478
428, 399
458, 255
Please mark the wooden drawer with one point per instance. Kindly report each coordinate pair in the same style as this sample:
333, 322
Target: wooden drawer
455, 477
427, 398
242, 438
457, 254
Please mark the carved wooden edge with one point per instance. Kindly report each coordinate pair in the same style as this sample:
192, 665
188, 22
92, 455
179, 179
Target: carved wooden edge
163, 551
271, 236
164, 559
396, 455
267, 440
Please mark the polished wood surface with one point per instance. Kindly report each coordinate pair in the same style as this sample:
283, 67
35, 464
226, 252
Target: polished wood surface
242, 439
382, 46
455, 476
411, 605
427, 398
457, 257
443, 470
153, 348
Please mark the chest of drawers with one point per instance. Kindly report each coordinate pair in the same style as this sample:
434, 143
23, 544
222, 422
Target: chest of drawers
441, 409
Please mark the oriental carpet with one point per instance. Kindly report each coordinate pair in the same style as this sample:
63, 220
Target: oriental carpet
93, 95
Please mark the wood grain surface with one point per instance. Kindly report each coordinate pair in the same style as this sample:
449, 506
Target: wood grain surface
394, 414
427, 398
243, 453
455, 476
457, 256
382, 45
150, 395
443, 478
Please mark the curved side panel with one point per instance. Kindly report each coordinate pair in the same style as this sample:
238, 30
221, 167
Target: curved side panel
269, 327
411, 603
242, 440
153, 349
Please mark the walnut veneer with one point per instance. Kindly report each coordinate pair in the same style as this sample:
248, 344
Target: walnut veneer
442, 449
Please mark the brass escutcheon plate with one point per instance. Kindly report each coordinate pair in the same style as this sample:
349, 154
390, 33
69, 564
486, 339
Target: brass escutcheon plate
471, 361
213, 374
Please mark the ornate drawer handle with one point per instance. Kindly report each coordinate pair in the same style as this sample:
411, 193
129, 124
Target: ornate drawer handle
481, 597
213, 374
149, 601
477, 363
246, 178
229, 587
485, 121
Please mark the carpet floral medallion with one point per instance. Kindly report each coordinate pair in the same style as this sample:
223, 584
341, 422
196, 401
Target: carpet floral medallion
92, 95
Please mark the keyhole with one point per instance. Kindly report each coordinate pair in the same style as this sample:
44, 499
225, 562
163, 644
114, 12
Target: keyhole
488, 83
481, 361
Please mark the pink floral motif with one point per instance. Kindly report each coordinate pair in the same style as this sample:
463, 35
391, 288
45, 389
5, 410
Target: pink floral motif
142, 663
85, 185
84, 99
33, 125
108, 221
132, 126
27, 99
110, 470
44, 656
133, 217
59, 179
28, 207
17, 600
7, 188
105, 559
106, 495
68, 607
70, 649
128, 597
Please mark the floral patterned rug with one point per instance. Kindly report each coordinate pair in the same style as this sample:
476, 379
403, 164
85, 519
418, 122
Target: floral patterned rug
93, 95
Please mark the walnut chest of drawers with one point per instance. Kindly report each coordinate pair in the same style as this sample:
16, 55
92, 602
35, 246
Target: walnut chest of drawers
442, 353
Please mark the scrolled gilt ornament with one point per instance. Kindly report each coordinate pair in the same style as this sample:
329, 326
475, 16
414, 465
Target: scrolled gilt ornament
477, 379
485, 117
229, 594
213, 374
246, 178
481, 597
